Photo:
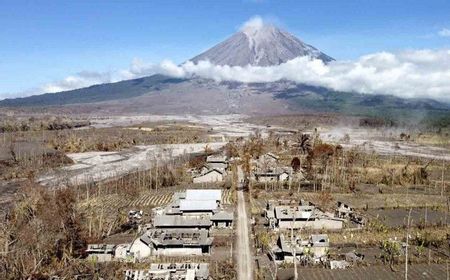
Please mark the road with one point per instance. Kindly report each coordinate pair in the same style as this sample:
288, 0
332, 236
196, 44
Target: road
243, 252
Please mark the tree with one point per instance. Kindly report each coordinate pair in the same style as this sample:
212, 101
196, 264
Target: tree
304, 143
390, 250
295, 164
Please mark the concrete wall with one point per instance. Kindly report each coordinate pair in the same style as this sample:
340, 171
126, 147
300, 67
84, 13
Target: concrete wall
264, 179
316, 224
100, 257
140, 249
178, 252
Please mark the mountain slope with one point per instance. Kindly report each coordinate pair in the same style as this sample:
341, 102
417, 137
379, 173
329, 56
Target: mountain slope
96, 93
262, 45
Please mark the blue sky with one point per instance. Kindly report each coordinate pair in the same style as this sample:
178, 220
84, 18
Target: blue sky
45, 41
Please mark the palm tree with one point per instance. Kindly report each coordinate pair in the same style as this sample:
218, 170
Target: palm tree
304, 143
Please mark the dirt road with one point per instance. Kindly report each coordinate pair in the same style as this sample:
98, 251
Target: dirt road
243, 252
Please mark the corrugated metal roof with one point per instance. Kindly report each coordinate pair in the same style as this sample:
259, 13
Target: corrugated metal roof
206, 194
198, 205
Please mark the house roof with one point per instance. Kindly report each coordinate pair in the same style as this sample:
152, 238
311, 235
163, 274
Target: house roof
198, 205
274, 172
204, 194
214, 158
180, 237
181, 221
218, 170
222, 216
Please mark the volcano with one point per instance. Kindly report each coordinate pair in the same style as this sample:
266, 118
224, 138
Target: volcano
260, 44
255, 44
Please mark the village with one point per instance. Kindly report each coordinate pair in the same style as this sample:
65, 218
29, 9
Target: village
295, 220
260, 201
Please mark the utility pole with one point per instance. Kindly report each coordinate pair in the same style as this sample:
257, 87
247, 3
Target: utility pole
293, 245
442, 179
407, 245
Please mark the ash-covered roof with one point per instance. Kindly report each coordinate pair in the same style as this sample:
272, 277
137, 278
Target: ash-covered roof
198, 205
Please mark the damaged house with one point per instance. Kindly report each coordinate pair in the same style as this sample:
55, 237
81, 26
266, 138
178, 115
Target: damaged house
347, 212
301, 217
175, 271
311, 250
101, 252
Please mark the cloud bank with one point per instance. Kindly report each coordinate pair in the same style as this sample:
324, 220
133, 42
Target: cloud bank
409, 74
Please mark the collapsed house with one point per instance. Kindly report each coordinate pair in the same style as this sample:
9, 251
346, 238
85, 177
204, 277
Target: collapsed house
301, 217
343, 210
311, 250
100, 252
346, 260
175, 271
172, 242
347, 212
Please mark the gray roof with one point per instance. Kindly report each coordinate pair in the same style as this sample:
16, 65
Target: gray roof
218, 170
181, 221
198, 205
222, 216
101, 248
216, 159
180, 237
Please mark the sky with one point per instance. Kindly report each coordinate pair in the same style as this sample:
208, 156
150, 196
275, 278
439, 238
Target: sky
44, 42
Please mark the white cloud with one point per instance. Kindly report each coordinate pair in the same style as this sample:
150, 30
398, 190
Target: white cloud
255, 23
418, 73
445, 32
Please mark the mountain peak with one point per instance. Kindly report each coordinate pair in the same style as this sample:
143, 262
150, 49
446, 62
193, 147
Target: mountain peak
259, 44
